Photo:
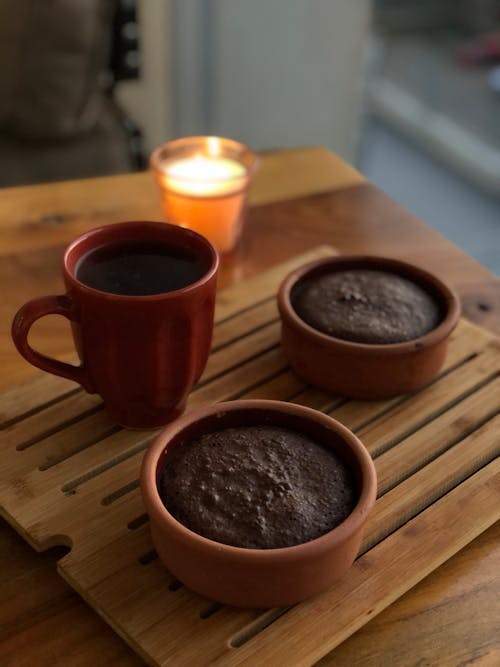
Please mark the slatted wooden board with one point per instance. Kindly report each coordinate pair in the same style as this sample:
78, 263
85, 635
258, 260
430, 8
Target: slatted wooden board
70, 476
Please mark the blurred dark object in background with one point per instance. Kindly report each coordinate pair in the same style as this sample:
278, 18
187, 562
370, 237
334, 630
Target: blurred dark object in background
469, 16
124, 59
59, 64
484, 48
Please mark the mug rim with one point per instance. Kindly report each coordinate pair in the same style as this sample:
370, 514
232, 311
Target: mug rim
131, 224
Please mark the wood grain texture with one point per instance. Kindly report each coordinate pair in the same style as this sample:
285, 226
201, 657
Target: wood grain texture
458, 600
378, 578
42, 216
69, 476
451, 617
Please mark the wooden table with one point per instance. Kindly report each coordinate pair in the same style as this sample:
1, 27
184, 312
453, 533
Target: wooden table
450, 618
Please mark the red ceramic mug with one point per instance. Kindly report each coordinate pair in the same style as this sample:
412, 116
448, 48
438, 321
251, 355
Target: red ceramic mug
142, 354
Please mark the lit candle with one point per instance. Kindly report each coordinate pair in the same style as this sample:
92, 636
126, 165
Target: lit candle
204, 181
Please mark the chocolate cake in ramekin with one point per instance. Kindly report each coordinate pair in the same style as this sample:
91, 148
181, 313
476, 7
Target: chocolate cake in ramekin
257, 503
366, 327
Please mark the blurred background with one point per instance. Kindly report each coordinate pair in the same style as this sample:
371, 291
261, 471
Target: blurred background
406, 90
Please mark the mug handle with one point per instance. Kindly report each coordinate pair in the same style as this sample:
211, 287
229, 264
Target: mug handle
23, 320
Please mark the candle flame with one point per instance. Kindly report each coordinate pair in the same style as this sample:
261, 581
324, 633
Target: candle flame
213, 146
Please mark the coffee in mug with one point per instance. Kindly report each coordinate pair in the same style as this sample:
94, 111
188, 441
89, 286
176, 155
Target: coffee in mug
139, 269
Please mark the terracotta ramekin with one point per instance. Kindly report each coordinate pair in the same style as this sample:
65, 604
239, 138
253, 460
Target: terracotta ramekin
361, 370
257, 577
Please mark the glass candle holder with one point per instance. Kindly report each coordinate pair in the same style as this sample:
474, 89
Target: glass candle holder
204, 184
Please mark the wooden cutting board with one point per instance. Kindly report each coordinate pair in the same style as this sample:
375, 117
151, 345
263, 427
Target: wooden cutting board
70, 476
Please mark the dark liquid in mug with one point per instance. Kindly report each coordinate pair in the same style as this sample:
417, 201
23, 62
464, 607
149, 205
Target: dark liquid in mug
139, 269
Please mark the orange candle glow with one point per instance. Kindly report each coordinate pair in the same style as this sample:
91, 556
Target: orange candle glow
204, 182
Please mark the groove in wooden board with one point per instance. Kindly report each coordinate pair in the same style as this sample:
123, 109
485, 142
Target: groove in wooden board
29, 397
122, 472
63, 527
99, 428
138, 521
114, 496
60, 446
241, 350
87, 521
87, 541
70, 409
243, 322
356, 414
310, 630
47, 448
434, 438
317, 399
149, 557
242, 295
211, 635
211, 609
245, 376
175, 585
128, 506
282, 387
409, 497
71, 487
135, 583
85, 567
261, 623
124, 591
464, 343
82, 514
426, 405
24, 495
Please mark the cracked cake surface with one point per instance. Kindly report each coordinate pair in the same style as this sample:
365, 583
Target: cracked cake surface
366, 306
257, 487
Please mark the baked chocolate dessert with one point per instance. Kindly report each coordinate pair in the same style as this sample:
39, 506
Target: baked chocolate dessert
366, 306
259, 487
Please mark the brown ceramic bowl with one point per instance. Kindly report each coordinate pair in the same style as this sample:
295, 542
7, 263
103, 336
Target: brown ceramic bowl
257, 577
361, 370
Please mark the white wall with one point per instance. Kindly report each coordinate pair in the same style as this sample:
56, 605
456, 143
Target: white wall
289, 72
272, 73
